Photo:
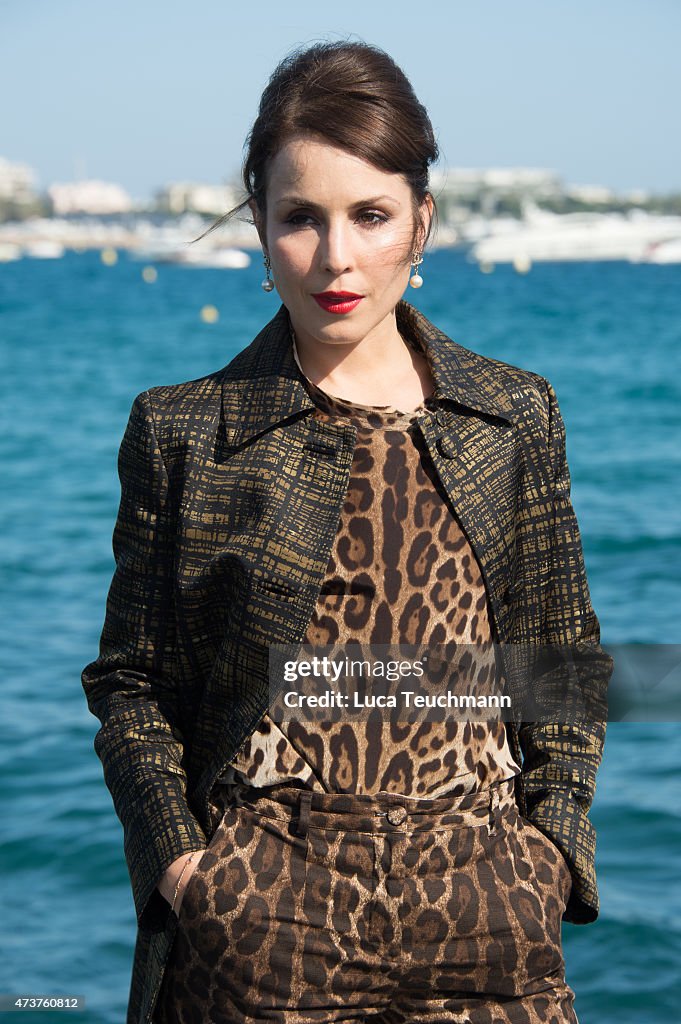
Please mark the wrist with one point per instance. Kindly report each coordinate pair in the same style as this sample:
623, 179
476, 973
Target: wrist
181, 875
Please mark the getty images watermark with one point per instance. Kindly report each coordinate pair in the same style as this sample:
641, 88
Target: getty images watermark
468, 682
326, 672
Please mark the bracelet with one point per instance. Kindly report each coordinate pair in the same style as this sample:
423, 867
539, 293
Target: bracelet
177, 886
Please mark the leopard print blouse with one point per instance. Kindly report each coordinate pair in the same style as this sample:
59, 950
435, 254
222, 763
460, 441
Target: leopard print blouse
401, 572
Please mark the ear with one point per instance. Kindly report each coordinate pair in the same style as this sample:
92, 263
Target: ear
426, 211
258, 221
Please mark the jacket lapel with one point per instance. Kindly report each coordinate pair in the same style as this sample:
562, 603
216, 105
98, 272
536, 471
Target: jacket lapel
477, 462
263, 386
473, 440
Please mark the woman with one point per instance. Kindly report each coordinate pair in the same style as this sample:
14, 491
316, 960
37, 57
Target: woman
351, 477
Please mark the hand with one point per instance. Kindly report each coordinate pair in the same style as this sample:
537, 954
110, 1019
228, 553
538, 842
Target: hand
170, 878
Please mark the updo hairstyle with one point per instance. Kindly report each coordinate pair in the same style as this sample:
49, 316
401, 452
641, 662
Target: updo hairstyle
353, 96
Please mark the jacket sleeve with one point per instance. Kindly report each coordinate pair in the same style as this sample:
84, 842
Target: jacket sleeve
562, 750
130, 687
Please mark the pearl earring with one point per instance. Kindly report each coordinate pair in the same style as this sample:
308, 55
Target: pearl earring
417, 259
268, 283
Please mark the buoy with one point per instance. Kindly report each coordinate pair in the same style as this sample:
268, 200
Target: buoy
109, 257
149, 274
522, 263
209, 314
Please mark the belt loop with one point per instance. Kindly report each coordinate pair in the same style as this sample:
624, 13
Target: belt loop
494, 823
304, 813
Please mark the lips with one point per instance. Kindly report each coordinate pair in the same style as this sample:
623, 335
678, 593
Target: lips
338, 302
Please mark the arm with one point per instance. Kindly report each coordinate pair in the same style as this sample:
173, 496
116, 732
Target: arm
561, 756
130, 687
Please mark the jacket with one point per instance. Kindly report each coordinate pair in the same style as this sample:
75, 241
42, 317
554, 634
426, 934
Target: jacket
230, 499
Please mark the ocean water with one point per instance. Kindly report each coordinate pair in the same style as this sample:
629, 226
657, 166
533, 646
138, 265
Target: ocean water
78, 341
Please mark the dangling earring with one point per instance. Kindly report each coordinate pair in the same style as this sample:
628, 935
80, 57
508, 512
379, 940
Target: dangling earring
268, 283
417, 259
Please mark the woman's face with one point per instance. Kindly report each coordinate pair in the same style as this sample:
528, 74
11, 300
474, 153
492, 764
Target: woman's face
337, 224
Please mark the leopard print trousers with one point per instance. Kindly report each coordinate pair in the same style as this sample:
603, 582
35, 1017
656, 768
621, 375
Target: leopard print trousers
319, 907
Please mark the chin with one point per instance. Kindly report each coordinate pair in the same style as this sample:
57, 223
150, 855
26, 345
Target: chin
330, 326
344, 332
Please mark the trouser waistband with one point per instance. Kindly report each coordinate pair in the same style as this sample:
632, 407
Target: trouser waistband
375, 812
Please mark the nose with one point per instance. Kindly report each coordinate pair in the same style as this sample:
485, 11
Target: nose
336, 249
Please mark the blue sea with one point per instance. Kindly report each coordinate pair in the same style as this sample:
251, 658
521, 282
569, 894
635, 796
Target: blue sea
78, 341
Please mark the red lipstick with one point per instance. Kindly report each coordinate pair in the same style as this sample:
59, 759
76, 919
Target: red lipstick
338, 302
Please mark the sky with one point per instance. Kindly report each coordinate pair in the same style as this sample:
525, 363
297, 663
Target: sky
145, 92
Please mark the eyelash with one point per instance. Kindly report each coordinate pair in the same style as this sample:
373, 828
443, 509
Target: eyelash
376, 221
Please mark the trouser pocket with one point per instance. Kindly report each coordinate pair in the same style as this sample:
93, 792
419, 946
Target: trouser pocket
549, 862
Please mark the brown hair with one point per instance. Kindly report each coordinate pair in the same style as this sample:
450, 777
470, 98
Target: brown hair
354, 96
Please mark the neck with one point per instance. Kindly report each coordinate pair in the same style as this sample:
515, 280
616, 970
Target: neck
380, 369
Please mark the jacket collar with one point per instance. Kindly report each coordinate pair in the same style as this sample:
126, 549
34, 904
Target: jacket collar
262, 386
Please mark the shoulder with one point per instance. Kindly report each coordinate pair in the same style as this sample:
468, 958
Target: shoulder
526, 393
511, 379
194, 401
189, 398
483, 383
172, 412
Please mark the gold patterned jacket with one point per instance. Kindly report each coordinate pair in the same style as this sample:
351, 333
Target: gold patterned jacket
230, 499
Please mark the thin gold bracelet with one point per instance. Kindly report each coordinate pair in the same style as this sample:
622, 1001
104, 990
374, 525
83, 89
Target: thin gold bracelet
184, 868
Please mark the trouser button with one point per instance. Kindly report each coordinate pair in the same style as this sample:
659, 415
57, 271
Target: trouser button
396, 815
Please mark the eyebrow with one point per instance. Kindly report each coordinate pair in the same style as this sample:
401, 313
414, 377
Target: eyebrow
373, 201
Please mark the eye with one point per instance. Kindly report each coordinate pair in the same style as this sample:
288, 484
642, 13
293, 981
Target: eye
299, 219
372, 218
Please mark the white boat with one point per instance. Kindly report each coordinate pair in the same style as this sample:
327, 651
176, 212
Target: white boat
9, 251
44, 249
668, 251
542, 235
224, 258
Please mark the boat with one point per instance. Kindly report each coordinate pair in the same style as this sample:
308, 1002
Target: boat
9, 251
668, 251
44, 249
543, 235
222, 258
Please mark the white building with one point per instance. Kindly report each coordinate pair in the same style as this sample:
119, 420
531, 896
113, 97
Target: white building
17, 182
457, 189
463, 182
95, 197
591, 194
192, 197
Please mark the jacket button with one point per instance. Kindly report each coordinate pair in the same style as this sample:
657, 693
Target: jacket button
446, 448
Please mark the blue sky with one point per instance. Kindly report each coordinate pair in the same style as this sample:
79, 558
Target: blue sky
148, 91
